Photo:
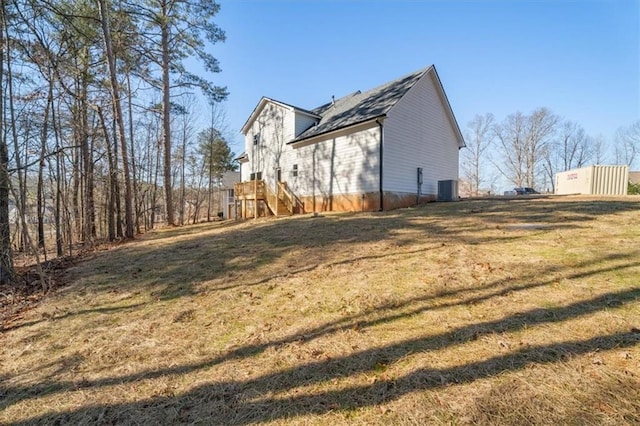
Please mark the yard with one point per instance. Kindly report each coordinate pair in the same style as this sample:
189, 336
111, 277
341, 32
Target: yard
519, 311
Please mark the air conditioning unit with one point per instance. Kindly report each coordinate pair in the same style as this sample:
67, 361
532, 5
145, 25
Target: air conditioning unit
447, 190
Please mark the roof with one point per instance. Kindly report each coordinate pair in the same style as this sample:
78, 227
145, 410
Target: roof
263, 102
229, 179
359, 107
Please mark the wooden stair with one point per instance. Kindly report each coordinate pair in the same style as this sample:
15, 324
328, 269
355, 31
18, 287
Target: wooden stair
281, 202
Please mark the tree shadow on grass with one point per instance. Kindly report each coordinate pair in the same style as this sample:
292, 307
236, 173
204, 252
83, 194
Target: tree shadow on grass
238, 398
545, 209
239, 402
55, 316
249, 401
219, 258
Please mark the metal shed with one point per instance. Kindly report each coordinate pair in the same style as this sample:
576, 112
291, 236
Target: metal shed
593, 180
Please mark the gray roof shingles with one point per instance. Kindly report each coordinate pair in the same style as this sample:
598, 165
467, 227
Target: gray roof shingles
359, 107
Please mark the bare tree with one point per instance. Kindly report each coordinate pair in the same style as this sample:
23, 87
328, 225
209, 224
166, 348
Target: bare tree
479, 138
576, 146
572, 148
599, 145
627, 144
511, 137
523, 141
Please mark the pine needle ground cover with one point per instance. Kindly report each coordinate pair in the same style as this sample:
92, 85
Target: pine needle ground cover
521, 311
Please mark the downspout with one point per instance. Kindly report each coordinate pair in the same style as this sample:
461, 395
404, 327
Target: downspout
380, 121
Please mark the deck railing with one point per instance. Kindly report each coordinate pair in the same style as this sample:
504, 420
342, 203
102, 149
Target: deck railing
252, 189
259, 190
285, 196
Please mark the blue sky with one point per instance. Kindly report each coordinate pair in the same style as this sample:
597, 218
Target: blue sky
581, 59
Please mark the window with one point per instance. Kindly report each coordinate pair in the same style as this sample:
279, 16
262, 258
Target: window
258, 175
256, 138
252, 176
295, 170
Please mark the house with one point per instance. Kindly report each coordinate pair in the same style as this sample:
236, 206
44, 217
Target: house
226, 196
385, 148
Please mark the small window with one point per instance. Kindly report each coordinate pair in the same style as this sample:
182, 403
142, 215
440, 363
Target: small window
295, 170
259, 176
256, 138
252, 176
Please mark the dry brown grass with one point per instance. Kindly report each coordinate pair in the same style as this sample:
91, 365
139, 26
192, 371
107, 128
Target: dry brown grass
478, 312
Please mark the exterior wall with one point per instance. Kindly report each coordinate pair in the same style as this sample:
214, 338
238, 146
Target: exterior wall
228, 204
332, 173
335, 173
398, 200
593, 180
303, 122
365, 202
275, 125
245, 171
419, 133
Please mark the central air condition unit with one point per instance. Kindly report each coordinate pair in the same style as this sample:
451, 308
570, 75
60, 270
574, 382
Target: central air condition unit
447, 190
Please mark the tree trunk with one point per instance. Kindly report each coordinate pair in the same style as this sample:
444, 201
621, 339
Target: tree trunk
182, 176
58, 208
43, 148
88, 228
6, 257
166, 114
116, 184
21, 196
117, 109
133, 157
113, 176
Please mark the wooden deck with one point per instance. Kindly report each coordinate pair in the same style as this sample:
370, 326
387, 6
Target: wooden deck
256, 199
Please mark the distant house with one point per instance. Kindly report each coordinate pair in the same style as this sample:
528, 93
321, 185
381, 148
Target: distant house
226, 195
385, 148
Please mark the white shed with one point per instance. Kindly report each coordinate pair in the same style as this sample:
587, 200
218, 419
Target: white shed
593, 180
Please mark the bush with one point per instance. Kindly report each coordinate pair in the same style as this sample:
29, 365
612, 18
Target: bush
633, 189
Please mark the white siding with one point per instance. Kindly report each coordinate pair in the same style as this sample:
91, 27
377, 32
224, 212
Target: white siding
419, 133
275, 125
303, 122
245, 171
340, 165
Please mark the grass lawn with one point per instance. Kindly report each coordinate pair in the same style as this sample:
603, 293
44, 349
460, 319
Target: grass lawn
523, 311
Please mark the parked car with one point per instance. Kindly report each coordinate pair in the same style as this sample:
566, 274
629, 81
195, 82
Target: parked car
525, 191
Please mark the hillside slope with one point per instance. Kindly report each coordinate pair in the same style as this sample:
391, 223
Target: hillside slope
522, 311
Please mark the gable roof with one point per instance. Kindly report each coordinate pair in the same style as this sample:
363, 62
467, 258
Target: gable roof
359, 107
263, 102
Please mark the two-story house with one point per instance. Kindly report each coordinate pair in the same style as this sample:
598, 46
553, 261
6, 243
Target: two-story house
381, 149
